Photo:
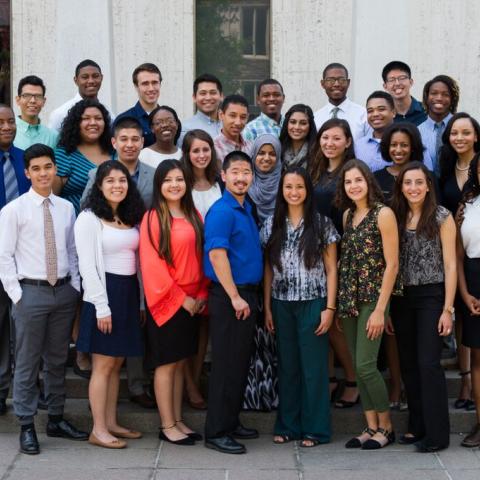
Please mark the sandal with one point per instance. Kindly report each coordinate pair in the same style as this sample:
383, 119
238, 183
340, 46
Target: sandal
284, 439
372, 444
347, 403
355, 442
312, 442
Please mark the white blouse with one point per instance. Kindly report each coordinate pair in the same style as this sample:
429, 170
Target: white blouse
203, 200
470, 229
154, 159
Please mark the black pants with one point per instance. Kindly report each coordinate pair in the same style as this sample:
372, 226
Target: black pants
232, 346
415, 319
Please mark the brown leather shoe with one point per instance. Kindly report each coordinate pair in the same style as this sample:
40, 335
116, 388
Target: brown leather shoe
143, 400
473, 438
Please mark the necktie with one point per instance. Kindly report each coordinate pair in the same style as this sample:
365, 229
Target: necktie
9, 179
334, 112
50, 247
439, 127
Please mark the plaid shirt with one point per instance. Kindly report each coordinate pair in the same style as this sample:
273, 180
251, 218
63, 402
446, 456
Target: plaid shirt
260, 126
223, 146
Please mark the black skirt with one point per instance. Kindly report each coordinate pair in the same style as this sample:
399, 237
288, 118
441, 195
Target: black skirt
471, 323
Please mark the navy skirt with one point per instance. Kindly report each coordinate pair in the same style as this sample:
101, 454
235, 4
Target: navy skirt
471, 323
126, 338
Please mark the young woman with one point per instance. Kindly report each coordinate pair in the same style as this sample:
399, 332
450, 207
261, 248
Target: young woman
461, 141
201, 170
422, 316
167, 128
468, 248
297, 136
107, 241
300, 288
171, 237
368, 268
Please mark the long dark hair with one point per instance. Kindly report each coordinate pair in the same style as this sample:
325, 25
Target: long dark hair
427, 224
164, 217
318, 162
448, 156
70, 137
311, 240
130, 210
409, 129
152, 114
471, 190
374, 195
284, 137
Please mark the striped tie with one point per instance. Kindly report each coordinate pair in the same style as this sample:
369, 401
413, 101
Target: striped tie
334, 112
9, 179
50, 247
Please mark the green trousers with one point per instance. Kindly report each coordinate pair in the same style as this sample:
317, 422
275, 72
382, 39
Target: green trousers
372, 388
304, 403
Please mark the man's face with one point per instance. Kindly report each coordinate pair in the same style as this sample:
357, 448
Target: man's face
148, 88
439, 99
31, 100
335, 83
208, 97
41, 172
270, 100
379, 113
238, 177
398, 84
234, 120
128, 142
88, 81
8, 129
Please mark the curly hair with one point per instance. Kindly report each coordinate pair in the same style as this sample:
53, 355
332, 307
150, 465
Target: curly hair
130, 210
70, 137
152, 114
452, 86
409, 129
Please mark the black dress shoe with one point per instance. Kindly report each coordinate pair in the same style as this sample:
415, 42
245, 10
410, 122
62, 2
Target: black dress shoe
3, 406
80, 372
183, 441
244, 433
408, 440
196, 437
29, 442
65, 429
225, 444
422, 447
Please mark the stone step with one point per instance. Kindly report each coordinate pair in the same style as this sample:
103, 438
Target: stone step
343, 421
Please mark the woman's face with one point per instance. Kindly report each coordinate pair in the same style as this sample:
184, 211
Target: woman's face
355, 185
114, 187
266, 158
200, 154
334, 142
298, 126
415, 186
164, 126
294, 190
174, 186
400, 148
462, 136
92, 125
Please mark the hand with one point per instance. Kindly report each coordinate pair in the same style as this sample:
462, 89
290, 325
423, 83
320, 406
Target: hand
460, 215
375, 324
241, 307
338, 323
201, 304
472, 303
269, 321
326, 320
104, 324
143, 318
445, 324
190, 305
389, 330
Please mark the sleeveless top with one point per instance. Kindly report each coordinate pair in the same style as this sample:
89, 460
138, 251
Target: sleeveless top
362, 263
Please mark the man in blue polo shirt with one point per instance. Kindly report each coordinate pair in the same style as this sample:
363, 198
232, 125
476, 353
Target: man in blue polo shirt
233, 261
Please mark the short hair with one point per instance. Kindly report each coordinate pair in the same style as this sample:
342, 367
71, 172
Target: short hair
409, 129
207, 77
334, 65
31, 80
126, 122
175, 116
268, 81
4, 105
234, 99
38, 150
395, 65
86, 63
236, 156
381, 94
145, 67
452, 86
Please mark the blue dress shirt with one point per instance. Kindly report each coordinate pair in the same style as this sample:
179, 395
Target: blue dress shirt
142, 116
16, 157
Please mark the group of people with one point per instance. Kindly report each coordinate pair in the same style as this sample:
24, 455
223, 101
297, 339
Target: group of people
290, 241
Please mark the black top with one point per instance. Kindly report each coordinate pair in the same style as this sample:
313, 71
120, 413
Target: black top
324, 193
451, 193
386, 181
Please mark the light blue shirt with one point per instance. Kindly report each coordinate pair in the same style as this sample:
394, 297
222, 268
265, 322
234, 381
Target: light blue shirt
202, 122
260, 126
28, 134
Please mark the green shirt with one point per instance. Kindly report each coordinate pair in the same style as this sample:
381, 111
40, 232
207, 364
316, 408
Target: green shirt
28, 134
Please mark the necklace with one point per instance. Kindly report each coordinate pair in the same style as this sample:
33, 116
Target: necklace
461, 169
117, 220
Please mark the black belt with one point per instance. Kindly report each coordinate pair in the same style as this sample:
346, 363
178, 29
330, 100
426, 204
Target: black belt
44, 283
249, 287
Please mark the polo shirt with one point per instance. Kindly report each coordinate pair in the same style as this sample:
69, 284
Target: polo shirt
262, 125
28, 134
200, 121
141, 115
416, 114
16, 157
231, 226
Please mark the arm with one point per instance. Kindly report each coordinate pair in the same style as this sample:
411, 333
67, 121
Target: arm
58, 184
267, 296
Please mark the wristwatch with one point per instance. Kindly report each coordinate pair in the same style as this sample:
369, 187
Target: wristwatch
450, 310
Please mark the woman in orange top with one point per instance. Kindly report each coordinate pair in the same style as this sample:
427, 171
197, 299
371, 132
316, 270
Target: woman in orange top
171, 237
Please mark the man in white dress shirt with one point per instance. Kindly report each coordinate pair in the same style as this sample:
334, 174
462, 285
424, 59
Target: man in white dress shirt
39, 271
335, 82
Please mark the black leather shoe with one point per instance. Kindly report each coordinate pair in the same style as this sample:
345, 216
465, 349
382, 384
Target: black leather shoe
244, 433
29, 442
225, 444
422, 447
65, 429
3, 406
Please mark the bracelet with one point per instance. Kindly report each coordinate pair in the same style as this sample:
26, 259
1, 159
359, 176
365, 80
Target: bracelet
334, 309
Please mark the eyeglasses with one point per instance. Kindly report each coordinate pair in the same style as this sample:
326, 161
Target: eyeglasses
400, 79
332, 80
38, 97
165, 123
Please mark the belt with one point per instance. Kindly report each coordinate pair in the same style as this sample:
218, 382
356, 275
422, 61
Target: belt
249, 287
44, 283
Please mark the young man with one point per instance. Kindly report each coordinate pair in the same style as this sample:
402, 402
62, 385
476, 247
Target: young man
397, 81
270, 99
335, 82
38, 269
233, 261
440, 96
12, 184
88, 79
30, 100
207, 96
147, 80
234, 116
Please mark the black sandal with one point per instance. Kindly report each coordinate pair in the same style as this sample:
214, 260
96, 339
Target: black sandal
308, 438
347, 403
371, 444
284, 439
355, 442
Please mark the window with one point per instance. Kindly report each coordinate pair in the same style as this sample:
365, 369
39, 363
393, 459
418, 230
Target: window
5, 94
255, 31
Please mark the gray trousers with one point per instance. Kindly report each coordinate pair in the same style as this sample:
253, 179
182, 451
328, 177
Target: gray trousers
5, 360
43, 321
136, 376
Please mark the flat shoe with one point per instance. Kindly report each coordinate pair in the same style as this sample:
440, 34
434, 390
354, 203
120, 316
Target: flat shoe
115, 444
408, 440
473, 438
355, 441
131, 434
460, 403
372, 444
